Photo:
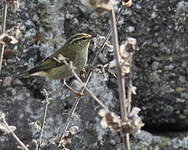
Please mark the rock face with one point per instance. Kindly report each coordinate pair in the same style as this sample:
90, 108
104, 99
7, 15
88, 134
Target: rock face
160, 73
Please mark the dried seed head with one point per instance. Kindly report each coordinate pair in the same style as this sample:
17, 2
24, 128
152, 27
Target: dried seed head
134, 123
110, 120
6, 39
100, 6
127, 3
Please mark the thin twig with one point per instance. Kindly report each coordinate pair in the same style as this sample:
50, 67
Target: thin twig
4, 29
121, 81
73, 110
44, 118
77, 101
120, 77
104, 42
72, 68
5, 17
14, 135
88, 90
129, 98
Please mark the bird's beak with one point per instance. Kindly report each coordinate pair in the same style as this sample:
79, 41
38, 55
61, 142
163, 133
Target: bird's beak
95, 35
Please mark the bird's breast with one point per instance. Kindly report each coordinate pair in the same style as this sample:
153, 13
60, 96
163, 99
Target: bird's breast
81, 60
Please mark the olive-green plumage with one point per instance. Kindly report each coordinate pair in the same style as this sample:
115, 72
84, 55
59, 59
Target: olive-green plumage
75, 49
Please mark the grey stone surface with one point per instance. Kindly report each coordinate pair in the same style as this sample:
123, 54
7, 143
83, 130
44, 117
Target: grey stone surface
160, 74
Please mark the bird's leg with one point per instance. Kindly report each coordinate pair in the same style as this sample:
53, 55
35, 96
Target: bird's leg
70, 88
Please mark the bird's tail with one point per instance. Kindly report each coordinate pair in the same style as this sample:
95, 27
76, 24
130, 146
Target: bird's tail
33, 72
28, 73
23, 75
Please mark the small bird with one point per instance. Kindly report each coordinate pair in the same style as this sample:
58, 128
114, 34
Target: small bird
75, 50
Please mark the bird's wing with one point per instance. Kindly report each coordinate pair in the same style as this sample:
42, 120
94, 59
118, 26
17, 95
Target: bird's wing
52, 62
55, 61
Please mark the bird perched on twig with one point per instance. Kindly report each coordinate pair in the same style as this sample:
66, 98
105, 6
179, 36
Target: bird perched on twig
75, 49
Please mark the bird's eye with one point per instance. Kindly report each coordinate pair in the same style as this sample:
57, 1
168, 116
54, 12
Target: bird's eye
84, 38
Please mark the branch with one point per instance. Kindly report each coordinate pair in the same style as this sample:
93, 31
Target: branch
2, 117
45, 116
120, 77
88, 90
104, 42
72, 112
4, 28
72, 68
